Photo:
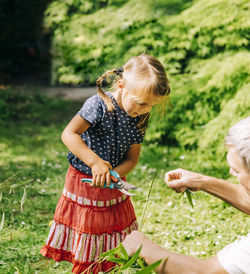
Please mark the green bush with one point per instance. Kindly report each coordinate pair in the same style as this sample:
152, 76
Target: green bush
86, 43
202, 44
202, 98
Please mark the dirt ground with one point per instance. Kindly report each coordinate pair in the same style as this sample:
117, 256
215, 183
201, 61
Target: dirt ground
69, 93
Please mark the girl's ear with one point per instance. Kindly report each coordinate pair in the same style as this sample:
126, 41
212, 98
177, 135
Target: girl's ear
120, 84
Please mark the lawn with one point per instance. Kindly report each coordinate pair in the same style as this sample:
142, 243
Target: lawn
31, 150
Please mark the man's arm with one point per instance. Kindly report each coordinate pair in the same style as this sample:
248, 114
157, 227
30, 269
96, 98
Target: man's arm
175, 263
234, 194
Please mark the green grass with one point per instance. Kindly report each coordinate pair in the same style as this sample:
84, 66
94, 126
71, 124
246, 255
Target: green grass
30, 145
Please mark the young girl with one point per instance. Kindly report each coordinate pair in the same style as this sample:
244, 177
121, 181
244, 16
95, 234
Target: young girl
105, 134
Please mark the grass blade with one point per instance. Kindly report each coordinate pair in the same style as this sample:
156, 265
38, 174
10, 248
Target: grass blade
143, 219
21, 183
23, 199
2, 223
5, 181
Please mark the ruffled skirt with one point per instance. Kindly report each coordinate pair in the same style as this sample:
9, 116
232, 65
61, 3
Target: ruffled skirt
87, 222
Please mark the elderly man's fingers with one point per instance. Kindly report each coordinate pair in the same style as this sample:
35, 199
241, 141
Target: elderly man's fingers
173, 175
179, 190
176, 183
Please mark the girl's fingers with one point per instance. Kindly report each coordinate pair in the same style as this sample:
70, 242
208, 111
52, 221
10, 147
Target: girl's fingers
108, 179
102, 180
93, 180
98, 180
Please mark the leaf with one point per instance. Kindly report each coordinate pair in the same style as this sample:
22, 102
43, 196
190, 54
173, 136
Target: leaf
116, 260
2, 222
133, 259
1, 196
124, 252
23, 199
141, 263
151, 267
110, 252
189, 197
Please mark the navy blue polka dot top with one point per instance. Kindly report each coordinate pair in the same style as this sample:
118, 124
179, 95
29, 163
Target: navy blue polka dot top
110, 135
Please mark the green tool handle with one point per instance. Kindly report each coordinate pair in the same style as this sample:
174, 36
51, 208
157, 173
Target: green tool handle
87, 180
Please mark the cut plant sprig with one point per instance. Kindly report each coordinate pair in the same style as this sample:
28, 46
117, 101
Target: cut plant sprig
188, 193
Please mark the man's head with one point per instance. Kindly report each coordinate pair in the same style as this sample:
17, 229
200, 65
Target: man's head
238, 142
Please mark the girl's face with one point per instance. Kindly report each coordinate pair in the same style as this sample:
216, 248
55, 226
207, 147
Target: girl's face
136, 102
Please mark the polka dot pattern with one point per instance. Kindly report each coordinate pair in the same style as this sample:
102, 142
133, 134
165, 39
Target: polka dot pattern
110, 135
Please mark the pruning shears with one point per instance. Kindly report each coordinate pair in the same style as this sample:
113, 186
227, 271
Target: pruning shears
116, 182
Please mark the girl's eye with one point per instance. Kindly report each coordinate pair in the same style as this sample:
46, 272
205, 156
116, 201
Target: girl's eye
140, 104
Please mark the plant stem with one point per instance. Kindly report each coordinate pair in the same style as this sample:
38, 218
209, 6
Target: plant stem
146, 203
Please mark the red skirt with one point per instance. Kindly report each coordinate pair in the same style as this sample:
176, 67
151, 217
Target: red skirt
87, 222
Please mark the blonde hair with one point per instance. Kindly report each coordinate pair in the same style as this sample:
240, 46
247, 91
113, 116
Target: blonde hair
143, 72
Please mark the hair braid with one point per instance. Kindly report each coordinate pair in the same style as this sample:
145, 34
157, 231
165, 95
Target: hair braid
107, 100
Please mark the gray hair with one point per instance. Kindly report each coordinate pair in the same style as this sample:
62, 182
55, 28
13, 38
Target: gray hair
239, 137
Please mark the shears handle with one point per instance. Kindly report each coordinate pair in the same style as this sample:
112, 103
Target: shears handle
115, 177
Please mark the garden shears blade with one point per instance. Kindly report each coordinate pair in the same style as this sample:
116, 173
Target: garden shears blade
120, 184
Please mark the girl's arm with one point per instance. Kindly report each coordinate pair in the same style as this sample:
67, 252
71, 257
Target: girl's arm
72, 139
130, 162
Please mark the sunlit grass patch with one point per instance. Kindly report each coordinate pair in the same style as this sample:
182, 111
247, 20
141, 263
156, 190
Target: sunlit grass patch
36, 153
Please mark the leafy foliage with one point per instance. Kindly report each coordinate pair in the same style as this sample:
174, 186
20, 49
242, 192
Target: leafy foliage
203, 46
133, 264
85, 43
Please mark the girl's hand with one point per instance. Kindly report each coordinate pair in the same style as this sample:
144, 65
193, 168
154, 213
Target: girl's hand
101, 173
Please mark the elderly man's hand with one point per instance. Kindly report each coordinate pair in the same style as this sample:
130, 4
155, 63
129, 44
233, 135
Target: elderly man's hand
180, 179
133, 241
